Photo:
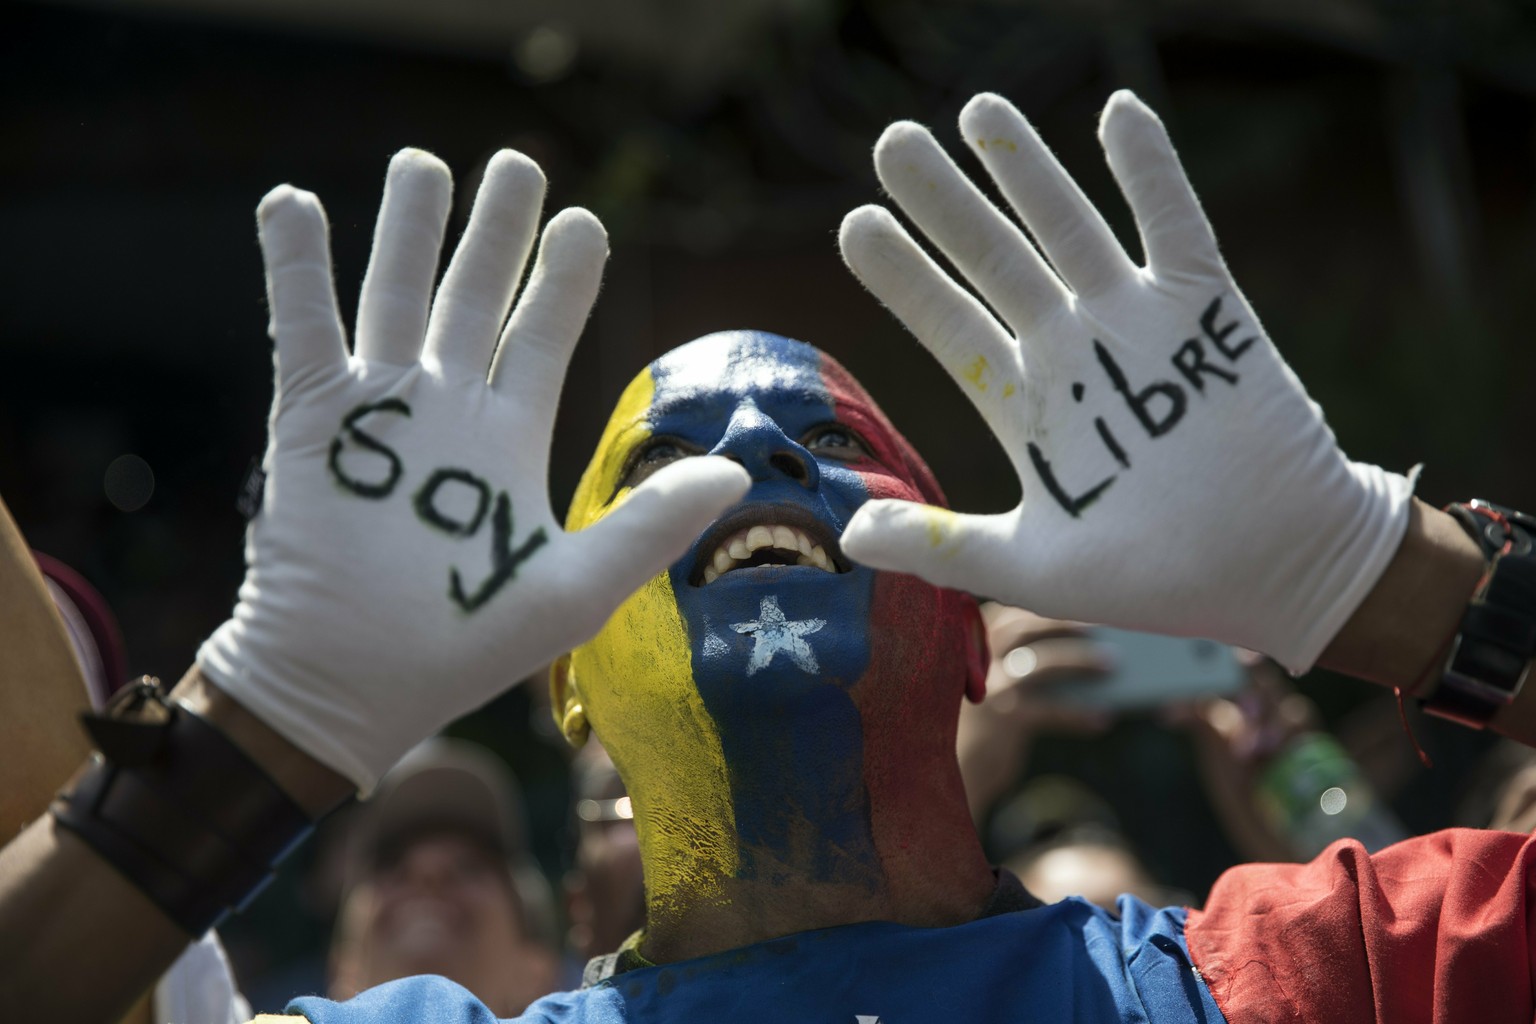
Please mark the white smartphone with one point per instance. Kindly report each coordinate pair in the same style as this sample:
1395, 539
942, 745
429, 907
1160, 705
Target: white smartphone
1151, 670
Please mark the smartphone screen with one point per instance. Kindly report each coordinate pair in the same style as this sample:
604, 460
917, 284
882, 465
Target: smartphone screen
1151, 670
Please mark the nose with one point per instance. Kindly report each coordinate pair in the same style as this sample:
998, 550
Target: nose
756, 440
424, 866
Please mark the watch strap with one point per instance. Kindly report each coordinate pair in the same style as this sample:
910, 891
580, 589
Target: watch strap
1491, 653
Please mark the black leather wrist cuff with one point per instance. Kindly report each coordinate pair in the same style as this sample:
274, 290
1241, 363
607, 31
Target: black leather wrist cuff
178, 809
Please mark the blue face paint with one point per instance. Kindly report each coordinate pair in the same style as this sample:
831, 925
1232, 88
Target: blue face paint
776, 649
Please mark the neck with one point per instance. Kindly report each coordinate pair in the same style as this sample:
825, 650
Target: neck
927, 869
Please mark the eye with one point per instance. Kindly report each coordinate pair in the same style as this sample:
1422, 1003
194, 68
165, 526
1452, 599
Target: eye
651, 456
835, 441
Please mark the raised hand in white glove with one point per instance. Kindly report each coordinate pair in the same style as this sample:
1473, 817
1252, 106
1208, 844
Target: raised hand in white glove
1176, 477
405, 566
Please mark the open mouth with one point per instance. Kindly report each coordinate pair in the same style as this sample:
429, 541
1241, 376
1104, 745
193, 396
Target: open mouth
754, 538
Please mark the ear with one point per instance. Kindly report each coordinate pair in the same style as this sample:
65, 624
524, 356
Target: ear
565, 702
978, 652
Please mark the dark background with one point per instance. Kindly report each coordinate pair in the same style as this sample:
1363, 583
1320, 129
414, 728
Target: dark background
1370, 168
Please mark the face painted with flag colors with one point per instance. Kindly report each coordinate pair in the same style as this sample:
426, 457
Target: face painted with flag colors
765, 696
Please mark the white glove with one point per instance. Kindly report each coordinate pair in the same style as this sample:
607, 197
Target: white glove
1175, 475
406, 567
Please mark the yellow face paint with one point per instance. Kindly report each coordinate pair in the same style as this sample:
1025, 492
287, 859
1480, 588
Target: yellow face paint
635, 679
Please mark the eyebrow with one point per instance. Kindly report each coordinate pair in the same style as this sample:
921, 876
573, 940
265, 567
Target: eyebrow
861, 416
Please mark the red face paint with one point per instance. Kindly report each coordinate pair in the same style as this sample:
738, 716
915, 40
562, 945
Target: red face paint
927, 646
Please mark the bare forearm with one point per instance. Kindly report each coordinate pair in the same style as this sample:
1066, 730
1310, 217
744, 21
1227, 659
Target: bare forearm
313, 786
1400, 634
78, 941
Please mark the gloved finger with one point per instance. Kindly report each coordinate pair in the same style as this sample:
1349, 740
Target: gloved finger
948, 549
535, 349
305, 323
482, 276
407, 239
978, 352
988, 248
657, 521
1174, 230
1068, 227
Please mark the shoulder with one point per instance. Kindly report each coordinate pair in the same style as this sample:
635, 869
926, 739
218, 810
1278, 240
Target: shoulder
1435, 919
429, 998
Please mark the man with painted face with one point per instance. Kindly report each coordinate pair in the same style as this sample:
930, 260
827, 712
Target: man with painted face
782, 716
781, 698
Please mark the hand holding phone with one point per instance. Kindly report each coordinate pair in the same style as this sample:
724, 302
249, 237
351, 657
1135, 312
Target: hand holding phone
1028, 653
1146, 670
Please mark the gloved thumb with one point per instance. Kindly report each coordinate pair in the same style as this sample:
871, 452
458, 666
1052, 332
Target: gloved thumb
655, 524
948, 549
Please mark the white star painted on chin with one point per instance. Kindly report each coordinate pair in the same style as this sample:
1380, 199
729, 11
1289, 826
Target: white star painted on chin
772, 633
714, 647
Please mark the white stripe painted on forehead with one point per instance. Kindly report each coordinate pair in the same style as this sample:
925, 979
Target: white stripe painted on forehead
740, 362
695, 366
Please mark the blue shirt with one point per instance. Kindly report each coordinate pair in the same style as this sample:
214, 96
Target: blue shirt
1069, 961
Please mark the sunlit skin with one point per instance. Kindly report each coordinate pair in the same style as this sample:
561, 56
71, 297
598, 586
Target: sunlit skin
806, 782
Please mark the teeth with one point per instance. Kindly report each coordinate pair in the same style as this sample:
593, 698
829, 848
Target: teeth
788, 539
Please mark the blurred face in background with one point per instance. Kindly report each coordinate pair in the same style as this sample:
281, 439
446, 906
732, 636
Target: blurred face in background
442, 903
